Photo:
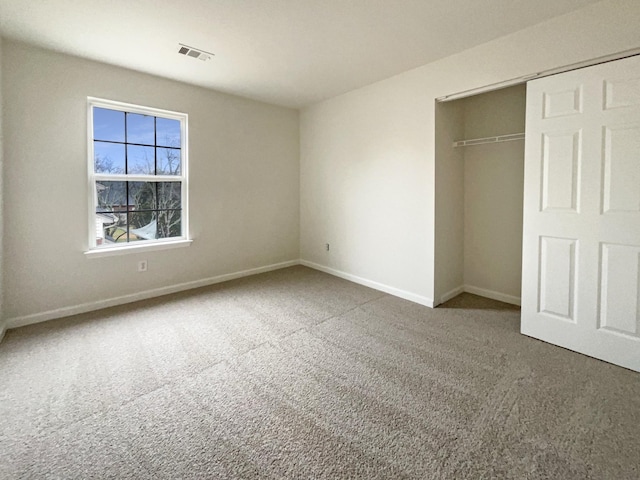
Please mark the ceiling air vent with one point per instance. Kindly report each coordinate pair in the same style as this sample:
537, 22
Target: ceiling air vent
194, 52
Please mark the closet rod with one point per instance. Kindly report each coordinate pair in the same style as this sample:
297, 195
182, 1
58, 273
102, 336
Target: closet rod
497, 139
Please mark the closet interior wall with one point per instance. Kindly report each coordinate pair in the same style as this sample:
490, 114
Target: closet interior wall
479, 194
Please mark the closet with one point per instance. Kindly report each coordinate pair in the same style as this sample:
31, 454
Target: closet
565, 205
479, 195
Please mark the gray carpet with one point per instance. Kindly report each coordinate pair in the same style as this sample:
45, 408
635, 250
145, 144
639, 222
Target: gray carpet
297, 374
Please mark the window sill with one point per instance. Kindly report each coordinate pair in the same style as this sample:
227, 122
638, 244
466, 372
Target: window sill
147, 247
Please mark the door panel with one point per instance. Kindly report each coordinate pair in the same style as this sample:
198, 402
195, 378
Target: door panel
622, 93
557, 277
560, 171
621, 168
581, 238
563, 102
620, 289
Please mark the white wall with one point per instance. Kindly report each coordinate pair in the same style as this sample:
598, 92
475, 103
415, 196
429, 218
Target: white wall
449, 201
493, 192
2, 188
362, 186
244, 184
368, 164
479, 189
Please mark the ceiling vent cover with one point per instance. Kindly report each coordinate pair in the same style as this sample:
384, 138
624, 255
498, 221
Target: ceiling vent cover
194, 52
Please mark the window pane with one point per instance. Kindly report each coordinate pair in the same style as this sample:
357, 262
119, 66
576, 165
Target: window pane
142, 196
116, 233
168, 132
140, 160
108, 124
108, 157
168, 161
105, 223
169, 195
111, 197
142, 226
140, 129
169, 223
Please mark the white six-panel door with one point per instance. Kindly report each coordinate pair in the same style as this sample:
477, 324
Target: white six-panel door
581, 238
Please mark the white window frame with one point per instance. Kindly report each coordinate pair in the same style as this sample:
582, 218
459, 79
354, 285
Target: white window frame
95, 250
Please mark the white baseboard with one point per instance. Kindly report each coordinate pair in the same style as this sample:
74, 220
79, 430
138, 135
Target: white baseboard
483, 292
501, 297
157, 292
452, 293
134, 297
370, 283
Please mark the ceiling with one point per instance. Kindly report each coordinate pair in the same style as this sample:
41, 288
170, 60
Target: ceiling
285, 52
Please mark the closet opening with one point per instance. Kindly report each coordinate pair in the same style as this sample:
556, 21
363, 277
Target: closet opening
479, 184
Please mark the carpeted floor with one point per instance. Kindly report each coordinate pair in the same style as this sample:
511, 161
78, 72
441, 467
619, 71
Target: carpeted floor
297, 374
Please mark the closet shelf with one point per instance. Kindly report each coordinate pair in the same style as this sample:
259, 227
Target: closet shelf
480, 141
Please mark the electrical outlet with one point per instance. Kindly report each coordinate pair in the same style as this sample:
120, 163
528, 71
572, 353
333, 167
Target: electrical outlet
326, 247
142, 266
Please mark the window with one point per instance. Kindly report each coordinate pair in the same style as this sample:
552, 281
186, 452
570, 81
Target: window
137, 176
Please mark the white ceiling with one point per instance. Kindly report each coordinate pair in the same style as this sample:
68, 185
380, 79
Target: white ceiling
286, 52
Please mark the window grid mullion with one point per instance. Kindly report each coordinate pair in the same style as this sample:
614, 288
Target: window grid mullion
126, 171
135, 144
145, 210
155, 145
126, 150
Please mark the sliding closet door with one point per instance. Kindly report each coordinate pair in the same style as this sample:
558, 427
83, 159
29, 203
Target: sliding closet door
581, 236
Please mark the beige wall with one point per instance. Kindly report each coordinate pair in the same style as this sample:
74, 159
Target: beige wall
493, 190
244, 184
368, 157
